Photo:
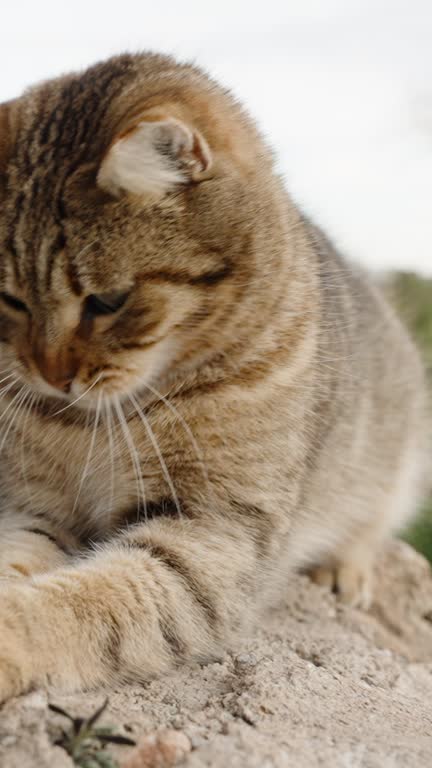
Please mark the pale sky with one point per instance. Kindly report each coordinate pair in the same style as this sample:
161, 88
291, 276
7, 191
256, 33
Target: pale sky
342, 89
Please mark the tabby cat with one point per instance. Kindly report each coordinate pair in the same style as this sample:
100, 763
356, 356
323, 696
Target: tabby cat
198, 394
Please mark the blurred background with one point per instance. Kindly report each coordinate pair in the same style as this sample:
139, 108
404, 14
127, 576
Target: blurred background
341, 88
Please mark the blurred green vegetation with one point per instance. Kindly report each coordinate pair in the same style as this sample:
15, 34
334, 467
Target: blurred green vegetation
412, 296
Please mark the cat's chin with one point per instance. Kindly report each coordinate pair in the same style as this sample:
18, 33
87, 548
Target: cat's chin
98, 398
113, 387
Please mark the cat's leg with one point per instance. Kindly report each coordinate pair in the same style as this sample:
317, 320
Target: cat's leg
350, 570
30, 545
163, 593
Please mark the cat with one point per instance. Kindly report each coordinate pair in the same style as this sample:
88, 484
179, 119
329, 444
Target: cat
198, 394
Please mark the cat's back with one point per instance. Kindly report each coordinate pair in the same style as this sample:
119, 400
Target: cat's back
370, 437
360, 327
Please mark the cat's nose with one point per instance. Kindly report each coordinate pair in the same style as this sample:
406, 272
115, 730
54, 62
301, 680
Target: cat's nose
57, 369
64, 385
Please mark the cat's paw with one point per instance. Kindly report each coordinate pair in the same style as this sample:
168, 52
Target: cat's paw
351, 581
14, 664
10, 679
13, 572
28, 554
18, 659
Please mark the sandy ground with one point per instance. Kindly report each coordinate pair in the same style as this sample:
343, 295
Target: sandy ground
317, 685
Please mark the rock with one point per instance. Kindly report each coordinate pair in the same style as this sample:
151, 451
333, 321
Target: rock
317, 685
245, 660
162, 749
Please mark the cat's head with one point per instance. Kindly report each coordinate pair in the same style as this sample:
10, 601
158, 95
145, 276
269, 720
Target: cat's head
128, 196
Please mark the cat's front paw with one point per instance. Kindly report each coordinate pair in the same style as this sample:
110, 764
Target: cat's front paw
16, 658
13, 572
27, 553
14, 668
11, 682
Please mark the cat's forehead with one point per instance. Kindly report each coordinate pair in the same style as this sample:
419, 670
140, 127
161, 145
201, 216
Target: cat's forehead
67, 120
57, 128
92, 158
63, 123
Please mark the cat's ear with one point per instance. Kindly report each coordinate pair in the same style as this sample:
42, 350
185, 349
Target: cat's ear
153, 156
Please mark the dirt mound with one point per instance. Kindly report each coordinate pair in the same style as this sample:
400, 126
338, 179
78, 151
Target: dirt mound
317, 685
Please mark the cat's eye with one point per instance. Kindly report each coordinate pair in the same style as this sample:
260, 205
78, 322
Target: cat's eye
105, 303
13, 303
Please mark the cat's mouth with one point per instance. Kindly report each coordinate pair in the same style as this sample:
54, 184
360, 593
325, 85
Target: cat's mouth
94, 384
106, 390
87, 395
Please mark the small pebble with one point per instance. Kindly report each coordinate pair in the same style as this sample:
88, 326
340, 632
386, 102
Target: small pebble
246, 660
196, 740
8, 741
177, 722
161, 749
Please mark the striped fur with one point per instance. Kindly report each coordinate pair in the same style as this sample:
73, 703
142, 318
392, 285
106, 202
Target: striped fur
251, 407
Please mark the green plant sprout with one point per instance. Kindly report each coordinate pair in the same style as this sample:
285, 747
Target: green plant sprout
86, 742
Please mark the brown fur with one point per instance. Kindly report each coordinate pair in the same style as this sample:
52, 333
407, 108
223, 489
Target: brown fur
254, 405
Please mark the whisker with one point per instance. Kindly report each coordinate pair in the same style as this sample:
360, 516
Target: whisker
17, 400
38, 398
109, 427
89, 453
69, 405
187, 429
86, 248
134, 456
28, 409
158, 452
6, 377
4, 391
